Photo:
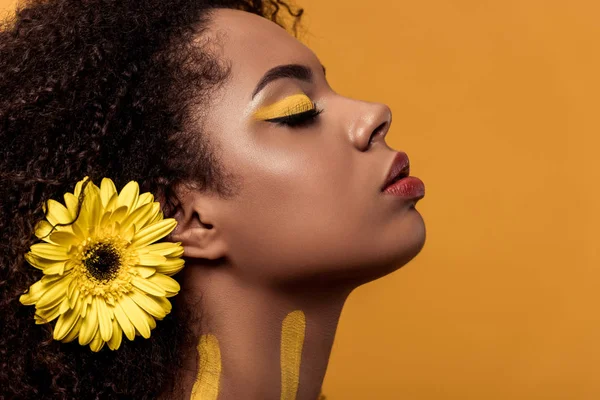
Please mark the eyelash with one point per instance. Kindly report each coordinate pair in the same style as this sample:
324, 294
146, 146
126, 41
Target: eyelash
297, 120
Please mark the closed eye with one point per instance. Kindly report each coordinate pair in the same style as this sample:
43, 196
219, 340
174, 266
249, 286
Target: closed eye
297, 120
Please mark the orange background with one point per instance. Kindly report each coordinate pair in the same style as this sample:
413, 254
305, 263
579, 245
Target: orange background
497, 105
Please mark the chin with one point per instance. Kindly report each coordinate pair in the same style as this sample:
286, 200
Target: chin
397, 254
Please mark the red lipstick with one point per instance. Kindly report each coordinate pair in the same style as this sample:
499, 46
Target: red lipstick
399, 183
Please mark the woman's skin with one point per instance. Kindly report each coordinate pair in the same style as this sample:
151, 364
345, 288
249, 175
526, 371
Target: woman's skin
308, 225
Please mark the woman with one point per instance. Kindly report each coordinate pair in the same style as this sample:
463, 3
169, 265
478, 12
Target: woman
273, 181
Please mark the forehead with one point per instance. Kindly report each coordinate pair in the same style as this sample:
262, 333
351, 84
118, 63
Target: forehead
254, 44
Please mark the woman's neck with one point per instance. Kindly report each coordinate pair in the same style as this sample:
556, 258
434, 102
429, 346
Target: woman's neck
264, 342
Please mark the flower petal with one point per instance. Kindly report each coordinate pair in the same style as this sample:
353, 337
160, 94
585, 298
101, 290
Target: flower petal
115, 341
107, 189
147, 286
43, 316
135, 315
145, 198
97, 343
144, 272
129, 195
148, 305
161, 248
171, 266
55, 293
151, 259
42, 229
49, 251
72, 204
153, 232
57, 213
104, 319
67, 321
163, 302
79, 185
74, 332
124, 322
169, 284
38, 289
89, 326
137, 217
40, 263
118, 215
65, 239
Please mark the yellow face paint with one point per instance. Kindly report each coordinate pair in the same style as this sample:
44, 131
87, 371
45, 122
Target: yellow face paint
292, 340
206, 386
295, 104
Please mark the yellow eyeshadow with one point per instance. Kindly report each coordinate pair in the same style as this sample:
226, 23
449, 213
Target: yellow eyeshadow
292, 341
295, 104
206, 386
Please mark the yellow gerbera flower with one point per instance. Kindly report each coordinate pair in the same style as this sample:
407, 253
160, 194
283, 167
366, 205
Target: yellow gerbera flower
102, 276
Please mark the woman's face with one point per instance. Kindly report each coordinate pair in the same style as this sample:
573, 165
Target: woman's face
310, 204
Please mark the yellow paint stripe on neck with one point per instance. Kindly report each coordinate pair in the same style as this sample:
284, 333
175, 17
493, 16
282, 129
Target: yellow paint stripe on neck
292, 340
206, 386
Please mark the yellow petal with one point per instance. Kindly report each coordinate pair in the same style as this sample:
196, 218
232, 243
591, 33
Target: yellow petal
118, 215
166, 282
163, 302
157, 218
38, 289
150, 217
79, 231
161, 248
124, 322
129, 196
137, 216
150, 319
42, 229
112, 202
43, 316
104, 319
66, 322
92, 209
107, 189
145, 198
89, 326
49, 251
148, 305
145, 272
97, 343
147, 286
65, 239
115, 341
40, 263
151, 259
72, 204
153, 232
74, 332
135, 315
55, 293
171, 266
57, 213
79, 185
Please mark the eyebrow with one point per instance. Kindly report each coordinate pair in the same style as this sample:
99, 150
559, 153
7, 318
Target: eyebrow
294, 71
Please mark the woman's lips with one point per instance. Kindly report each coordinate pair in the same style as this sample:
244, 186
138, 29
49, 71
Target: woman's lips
410, 187
407, 186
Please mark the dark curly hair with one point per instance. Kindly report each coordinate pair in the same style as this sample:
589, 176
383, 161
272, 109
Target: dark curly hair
101, 88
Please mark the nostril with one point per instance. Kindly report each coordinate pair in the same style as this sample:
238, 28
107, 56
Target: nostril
377, 131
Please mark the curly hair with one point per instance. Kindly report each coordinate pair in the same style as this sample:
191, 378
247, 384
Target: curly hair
101, 88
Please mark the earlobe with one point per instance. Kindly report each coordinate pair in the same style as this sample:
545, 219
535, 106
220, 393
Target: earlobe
198, 241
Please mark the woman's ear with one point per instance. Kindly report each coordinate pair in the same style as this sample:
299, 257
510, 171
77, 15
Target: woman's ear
195, 227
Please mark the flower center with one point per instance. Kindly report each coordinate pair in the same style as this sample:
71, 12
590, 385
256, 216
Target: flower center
102, 261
